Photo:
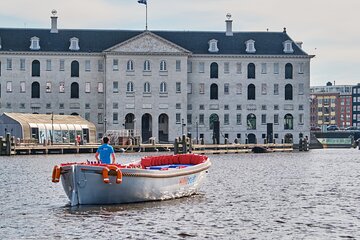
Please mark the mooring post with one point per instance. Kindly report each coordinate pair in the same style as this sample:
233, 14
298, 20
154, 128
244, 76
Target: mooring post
176, 146
184, 150
8, 144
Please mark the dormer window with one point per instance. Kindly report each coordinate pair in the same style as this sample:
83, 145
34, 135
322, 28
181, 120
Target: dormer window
74, 44
250, 46
213, 48
288, 47
35, 43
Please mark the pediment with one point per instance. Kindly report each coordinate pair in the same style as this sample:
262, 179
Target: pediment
147, 42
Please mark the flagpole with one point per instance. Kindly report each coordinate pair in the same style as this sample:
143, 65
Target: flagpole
146, 26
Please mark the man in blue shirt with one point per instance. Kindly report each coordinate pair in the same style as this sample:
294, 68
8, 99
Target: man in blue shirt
105, 151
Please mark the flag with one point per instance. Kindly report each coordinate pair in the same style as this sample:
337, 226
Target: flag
143, 2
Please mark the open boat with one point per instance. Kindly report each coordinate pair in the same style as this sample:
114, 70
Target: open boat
152, 178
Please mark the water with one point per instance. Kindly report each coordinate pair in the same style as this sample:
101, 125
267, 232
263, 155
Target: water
306, 195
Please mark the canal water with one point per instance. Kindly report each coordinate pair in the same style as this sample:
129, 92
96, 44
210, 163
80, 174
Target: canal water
300, 195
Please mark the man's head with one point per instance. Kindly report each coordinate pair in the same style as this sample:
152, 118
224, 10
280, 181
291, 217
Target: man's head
105, 139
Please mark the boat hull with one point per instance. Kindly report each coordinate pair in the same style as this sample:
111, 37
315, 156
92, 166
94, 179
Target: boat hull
83, 184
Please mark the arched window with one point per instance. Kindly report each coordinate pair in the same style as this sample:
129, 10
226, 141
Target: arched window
214, 70
163, 66
163, 87
147, 65
35, 90
288, 71
130, 87
147, 88
213, 118
74, 91
130, 66
288, 92
251, 92
251, 121
74, 69
35, 68
251, 71
288, 122
214, 91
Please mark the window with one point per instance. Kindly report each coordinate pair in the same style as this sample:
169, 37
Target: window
115, 87
130, 87
74, 44
301, 118
9, 64
276, 68
213, 91
288, 92
22, 87
301, 68
147, 88
87, 87
62, 87
189, 107
115, 118
147, 66
251, 92
263, 107
238, 88
115, 64
48, 87
238, 68
189, 119
276, 119
87, 105
22, 105
22, 64
213, 48
288, 47
35, 90
263, 118
201, 119
178, 106
178, 118
226, 67
201, 107
130, 66
288, 71
62, 65
238, 119
74, 90
100, 118
48, 106
87, 66
301, 88
48, 65
201, 67
251, 71
238, 107
212, 119
87, 116
263, 68
100, 106
288, 122
226, 119
178, 65
35, 68
263, 89
178, 87
100, 87
163, 66
201, 88
35, 43
74, 69
251, 122
163, 87
8, 86
250, 46
226, 88
226, 107
61, 106
189, 88
214, 68
100, 65
276, 89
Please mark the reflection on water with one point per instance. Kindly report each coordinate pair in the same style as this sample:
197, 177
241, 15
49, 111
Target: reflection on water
308, 195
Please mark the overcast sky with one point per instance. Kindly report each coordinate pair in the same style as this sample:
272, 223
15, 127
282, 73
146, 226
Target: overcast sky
329, 29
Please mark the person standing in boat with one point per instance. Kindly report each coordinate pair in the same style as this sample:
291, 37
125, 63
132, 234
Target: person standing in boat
105, 151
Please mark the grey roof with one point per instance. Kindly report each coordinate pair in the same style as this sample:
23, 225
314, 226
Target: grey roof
266, 43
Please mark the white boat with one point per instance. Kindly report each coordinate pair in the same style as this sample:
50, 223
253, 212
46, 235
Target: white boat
152, 178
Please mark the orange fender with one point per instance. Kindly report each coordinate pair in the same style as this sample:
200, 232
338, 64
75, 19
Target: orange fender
106, 171
56, 174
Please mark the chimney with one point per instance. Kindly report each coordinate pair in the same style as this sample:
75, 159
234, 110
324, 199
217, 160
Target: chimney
229, 31
299, 44
54, 28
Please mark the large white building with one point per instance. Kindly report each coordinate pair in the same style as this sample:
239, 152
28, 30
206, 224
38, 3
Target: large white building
248, 86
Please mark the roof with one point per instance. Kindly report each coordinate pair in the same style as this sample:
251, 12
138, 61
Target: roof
96, 41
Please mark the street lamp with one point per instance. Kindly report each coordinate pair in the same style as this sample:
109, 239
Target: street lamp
182, 126
197, 132
52, 128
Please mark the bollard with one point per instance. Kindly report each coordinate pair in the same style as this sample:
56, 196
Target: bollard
184, 150
176, 146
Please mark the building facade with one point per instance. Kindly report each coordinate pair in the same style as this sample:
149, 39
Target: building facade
248, 86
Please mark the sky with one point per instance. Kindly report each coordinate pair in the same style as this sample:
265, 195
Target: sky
328, 29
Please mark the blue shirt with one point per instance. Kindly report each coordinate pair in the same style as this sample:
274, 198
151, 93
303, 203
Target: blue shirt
105, 151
